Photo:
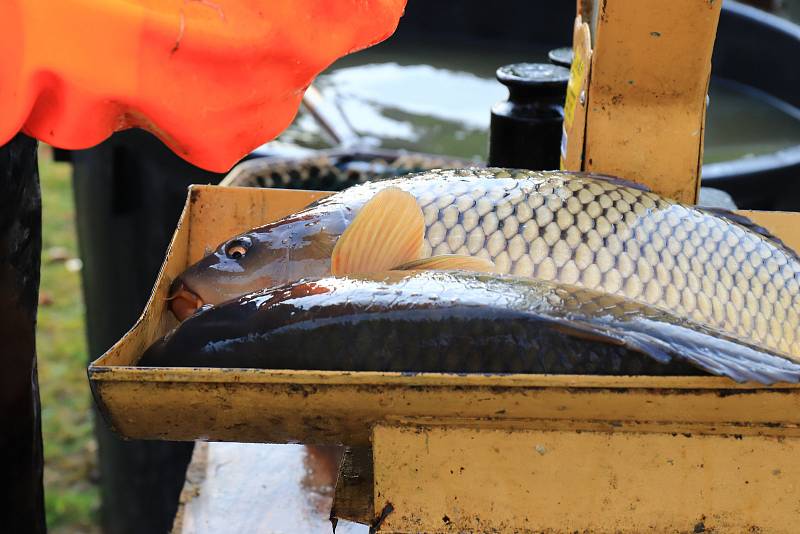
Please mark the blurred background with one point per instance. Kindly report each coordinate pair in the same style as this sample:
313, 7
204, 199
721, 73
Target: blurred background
428, 89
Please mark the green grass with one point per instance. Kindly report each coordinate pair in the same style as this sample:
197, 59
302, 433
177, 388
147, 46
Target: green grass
71, 493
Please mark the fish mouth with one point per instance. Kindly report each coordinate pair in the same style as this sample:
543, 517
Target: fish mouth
183, 302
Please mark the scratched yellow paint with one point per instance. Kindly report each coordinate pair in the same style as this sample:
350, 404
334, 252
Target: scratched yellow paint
645, 115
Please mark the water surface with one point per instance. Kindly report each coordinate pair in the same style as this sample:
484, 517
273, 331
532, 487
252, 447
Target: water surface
436, 99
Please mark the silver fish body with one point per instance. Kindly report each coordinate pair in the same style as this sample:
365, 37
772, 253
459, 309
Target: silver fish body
581, 230
457, 322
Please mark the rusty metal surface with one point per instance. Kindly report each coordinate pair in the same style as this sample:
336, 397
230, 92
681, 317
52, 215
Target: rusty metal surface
452, 479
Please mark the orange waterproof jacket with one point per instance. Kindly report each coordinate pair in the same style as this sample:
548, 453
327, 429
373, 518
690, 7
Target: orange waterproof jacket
212, 78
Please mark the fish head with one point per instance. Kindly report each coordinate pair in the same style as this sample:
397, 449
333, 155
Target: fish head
386, 233
296, 247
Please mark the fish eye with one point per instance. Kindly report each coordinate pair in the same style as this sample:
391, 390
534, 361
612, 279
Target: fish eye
237, 248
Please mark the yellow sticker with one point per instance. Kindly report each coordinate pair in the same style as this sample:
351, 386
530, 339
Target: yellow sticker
576, 74
573, 132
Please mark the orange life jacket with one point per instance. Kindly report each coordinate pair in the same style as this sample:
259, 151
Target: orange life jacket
212, 78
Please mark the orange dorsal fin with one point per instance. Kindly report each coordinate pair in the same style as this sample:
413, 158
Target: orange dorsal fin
388, 231
449, 262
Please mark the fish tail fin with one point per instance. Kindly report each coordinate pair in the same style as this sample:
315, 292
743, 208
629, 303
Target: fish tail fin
665, 341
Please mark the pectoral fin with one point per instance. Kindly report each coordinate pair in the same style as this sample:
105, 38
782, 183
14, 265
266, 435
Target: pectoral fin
448, 262
388, 231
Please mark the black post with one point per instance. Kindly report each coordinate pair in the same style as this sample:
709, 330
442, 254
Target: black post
21, 461
129, 192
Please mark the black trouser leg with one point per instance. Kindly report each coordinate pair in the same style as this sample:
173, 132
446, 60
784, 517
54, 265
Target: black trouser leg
21, 462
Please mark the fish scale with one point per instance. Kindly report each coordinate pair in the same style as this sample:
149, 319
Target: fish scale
609, 237
585, 230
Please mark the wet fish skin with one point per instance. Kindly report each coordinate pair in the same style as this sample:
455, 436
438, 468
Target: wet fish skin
571, 228
457, 322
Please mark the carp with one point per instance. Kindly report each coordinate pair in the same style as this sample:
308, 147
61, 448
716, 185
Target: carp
594, 232
457, 322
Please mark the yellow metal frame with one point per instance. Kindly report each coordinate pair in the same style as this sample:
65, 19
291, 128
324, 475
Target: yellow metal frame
716, 432
447, 478
645, 104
